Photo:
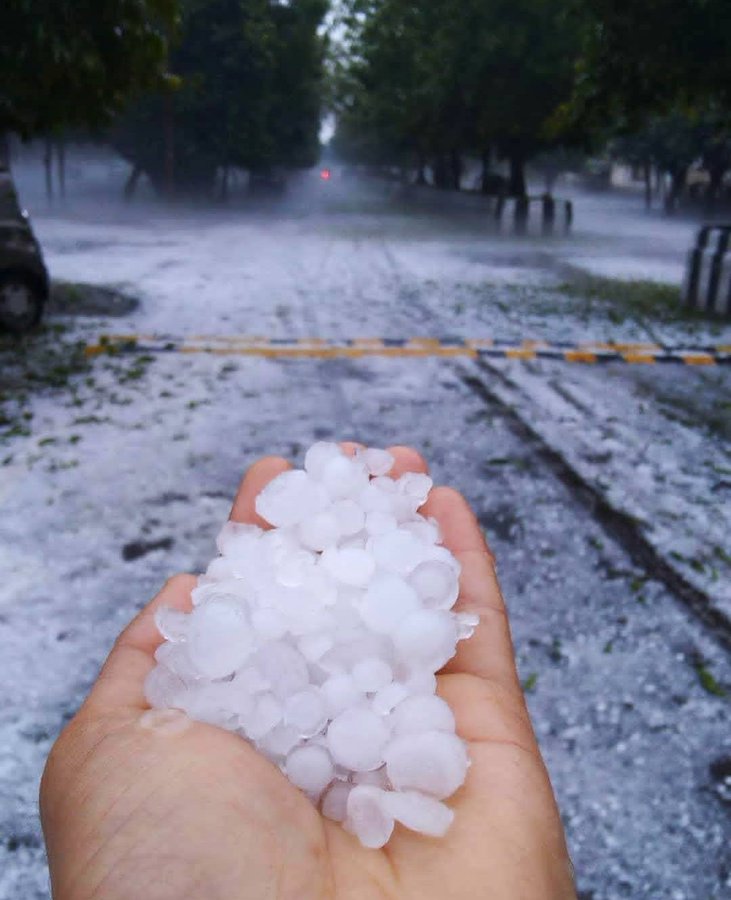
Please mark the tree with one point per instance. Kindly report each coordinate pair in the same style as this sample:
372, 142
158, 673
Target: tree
250, 73
426, 79
68, 63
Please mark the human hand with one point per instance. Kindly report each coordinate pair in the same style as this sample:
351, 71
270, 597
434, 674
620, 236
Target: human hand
141, 804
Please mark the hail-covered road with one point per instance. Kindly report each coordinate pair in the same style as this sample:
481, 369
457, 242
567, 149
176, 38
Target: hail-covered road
604, 492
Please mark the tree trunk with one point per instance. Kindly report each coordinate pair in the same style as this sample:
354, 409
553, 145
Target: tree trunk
421, 171
48, 167
169, 129
486, 159
130, 185
441, 178
517, 185
61, 166
672, 200
455, 170
647, 171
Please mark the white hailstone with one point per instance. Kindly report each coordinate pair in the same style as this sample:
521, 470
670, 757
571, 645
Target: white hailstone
387, 602
320, 531
421, 712
163, 687
419, 812
397, 551
434, 762
171, 623
344, 477
436, 584
389, 697
340, 692
377, 462
318, 641
219, 638
310, 768
350, 516
284, 668
335, 801
350, 566
372, 674
306, 712
367, 817
289, 498
356, 739
426, 639
319, 455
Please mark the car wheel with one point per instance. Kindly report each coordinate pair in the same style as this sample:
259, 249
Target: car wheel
21, 303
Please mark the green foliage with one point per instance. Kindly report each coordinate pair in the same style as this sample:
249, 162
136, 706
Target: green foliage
653, 57
425, 80
250, 73
69, 63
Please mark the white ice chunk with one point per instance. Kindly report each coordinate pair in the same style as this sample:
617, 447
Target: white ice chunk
320, 531
387, 602
319, 455
266, 715
310, 768
389, 697
171, 623
163, 688
422, 712
415, 486
279, 741
367, 817
426, 639
238, 539
378, 522
372, 674
377, 462
177, 658
219, 638
284, 668
433, 762
398, 551
340, 693
344, 477
350, 566
289, 498
357, 738
436, 584
335, 801
419, 812
467, 622
314, 646
349, 515
306, 712
268, 623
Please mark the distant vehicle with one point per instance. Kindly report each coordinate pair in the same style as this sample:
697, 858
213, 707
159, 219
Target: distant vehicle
24, 283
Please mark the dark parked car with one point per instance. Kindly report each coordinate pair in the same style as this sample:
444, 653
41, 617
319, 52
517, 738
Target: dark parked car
24, 283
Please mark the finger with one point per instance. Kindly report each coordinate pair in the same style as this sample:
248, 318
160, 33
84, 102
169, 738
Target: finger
122, 676
489, 652
255, 480
407, 460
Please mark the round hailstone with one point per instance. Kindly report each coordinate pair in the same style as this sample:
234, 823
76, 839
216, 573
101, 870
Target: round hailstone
335, 801
314, 646
425, 530
389, 697
436, 584
344, 477
387, 602
305, 711
419, 812
219, 638
350, 566
422, 712
172, 624
266, 715
310, 768
356, 740
433, 762
377, 462
176, 658
294, 569
367, 817
222, 567
163, 687
319, 455
279, 741
340, 692
378, 522
397, 551
377, 499
236, 539
426, 639
372, 674
268, 623
283, 667
349, 515
289, 498
320, 531
415, 486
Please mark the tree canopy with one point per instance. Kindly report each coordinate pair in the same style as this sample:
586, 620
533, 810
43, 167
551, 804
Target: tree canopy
74, 63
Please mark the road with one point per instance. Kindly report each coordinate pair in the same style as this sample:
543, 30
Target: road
128, 470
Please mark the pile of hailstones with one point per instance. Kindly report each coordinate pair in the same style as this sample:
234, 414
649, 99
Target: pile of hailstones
318, 641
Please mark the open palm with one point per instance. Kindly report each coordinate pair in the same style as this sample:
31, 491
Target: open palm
140, 803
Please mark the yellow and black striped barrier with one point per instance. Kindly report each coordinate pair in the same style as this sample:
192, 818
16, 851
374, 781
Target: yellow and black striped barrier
320, 348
